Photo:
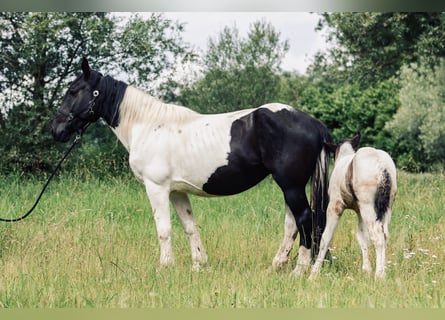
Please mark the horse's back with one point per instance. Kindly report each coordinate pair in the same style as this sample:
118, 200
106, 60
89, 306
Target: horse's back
272, 139
371, 160
370, 168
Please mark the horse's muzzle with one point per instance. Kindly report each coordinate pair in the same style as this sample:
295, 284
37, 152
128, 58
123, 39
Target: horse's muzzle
61, 131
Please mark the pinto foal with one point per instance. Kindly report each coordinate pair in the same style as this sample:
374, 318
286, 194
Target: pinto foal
364, 181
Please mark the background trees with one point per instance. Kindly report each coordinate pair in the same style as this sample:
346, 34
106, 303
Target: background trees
397, 59
374, 46
418, 127
42, 51
238, 72
383, 77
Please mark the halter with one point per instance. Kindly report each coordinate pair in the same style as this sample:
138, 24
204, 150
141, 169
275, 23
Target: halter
90, 111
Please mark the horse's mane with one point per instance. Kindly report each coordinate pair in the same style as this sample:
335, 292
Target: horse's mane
138, 107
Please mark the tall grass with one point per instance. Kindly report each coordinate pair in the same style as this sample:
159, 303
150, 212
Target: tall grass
92, 243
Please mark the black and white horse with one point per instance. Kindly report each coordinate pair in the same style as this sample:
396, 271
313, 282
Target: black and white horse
365, 181
175, 151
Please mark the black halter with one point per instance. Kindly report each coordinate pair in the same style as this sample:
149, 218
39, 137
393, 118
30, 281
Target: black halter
89, 111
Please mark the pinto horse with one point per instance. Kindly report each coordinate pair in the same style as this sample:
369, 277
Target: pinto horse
364, 181
175, 151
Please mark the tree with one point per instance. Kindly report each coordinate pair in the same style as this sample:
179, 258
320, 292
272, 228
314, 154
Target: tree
238, 72
374, 46
41, 51
418, 128
347, 108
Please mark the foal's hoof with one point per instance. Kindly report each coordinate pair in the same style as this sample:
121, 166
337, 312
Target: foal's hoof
300, 270
313, 276
166, 266
198, 267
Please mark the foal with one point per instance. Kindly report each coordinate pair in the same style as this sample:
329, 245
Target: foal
364, 181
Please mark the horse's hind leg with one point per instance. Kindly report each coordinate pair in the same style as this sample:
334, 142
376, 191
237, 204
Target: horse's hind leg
290, 233
363, 241
380, 269
378, 231
183, 208
297, 202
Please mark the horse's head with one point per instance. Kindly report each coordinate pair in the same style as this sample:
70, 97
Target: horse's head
335, 148
79, 105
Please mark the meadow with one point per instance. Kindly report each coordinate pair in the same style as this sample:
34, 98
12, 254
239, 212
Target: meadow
92, 243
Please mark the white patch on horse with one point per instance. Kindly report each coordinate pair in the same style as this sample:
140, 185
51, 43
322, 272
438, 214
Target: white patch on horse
173, 145
358, 179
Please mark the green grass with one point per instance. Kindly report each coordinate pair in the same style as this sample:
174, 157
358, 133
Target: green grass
92, 243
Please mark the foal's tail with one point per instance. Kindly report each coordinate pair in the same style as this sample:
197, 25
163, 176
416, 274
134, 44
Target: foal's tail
383, 195
319, 195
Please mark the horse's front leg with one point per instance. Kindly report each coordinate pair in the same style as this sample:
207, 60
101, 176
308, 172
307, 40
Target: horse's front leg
183, 208
159, 200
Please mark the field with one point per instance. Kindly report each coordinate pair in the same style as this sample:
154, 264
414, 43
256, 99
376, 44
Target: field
92, 243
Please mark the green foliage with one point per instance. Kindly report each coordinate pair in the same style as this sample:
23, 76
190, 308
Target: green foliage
418, 127
357, 82
374, 46
238, 73
354, 87
41, 52
345, 109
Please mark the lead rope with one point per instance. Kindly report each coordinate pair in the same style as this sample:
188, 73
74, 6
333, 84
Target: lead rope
75, 142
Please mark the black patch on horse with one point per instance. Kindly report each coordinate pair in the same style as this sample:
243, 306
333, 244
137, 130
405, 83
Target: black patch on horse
283, 143
245, 168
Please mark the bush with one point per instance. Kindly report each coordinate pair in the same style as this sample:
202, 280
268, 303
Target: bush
417, 128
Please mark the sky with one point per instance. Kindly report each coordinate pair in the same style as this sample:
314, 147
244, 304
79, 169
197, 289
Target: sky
296, 27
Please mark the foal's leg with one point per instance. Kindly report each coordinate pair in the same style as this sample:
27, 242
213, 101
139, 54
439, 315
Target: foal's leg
159, 199
183, 208
381, 255
379, 234
363, 241
290, 233
334, 212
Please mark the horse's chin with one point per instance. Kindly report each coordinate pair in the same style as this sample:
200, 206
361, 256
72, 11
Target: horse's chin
65, 139
61, 136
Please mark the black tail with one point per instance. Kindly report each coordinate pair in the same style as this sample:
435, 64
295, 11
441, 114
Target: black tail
319, 197
382, 196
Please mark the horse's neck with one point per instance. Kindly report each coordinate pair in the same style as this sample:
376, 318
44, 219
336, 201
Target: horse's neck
344, 157
111, 92
346, 150
139, 108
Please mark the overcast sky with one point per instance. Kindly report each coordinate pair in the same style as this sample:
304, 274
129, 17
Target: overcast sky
297, 27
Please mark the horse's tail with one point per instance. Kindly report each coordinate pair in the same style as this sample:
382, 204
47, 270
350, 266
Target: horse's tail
383, 195
319, 193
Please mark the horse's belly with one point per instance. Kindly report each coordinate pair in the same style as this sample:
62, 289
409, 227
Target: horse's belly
228, 180
188, 187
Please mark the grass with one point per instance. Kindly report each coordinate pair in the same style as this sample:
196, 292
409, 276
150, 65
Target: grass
92, 243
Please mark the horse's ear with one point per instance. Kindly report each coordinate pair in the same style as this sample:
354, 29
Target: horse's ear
355, 140
86, 69
332, 147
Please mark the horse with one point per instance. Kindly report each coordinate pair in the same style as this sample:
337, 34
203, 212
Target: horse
366, 182
175, 152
